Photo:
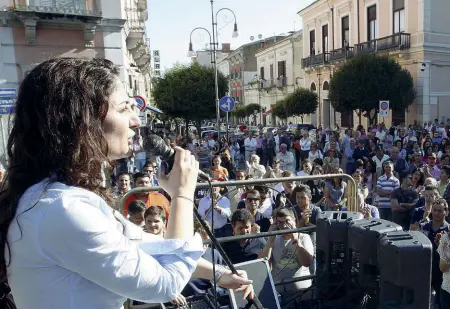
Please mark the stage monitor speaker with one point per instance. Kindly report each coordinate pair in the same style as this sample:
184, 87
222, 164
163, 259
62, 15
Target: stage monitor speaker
363, 237
332, 253
405, 270
263, 285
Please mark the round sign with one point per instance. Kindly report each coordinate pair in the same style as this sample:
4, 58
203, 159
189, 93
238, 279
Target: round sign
140, 101
384, 105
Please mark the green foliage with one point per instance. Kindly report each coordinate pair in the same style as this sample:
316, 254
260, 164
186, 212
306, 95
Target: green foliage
368, 78
301, 102
188, 92
279, 110
239, 112
251, 108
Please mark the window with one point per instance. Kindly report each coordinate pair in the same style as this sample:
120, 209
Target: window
371, 23
271, 72
312, 42
325, 38
261, 72
282, 69
345, 27
130, 82
399, 16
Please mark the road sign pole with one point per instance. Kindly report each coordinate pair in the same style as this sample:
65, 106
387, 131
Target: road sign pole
227, 129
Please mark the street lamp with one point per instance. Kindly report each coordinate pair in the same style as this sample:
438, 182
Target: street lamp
215, 44
191, 53
235, 31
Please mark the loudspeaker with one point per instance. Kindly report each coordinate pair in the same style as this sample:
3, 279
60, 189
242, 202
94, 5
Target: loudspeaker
405, 270
363, 238
263, 285
332, 253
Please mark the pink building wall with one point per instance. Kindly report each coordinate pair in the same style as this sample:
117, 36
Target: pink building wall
52, 43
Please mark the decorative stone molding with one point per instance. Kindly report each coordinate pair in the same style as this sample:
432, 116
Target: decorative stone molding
89, 33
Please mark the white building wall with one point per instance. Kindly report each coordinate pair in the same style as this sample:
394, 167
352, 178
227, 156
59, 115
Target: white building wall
289, 50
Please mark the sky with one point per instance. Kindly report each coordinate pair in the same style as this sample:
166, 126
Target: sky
171, 22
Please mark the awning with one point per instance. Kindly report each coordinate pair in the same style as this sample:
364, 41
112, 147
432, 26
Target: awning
154, 109
267, 112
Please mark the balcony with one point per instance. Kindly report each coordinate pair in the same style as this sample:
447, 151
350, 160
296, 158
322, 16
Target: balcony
70, 12
67, 8
342, 54
141, 5
281, 82
136, 34
315, 60
398, 41
266, 84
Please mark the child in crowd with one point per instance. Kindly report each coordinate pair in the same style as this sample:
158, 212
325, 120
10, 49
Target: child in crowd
136, 211
155, 220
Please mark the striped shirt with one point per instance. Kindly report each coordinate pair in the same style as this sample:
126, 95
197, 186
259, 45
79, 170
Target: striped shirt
386, 184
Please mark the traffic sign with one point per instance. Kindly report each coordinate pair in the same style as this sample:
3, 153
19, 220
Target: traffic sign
8, 100
226, 104
384, 109
8, 92
143, 118
140, 101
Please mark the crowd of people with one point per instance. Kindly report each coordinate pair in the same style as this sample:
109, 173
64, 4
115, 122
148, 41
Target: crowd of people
402, 174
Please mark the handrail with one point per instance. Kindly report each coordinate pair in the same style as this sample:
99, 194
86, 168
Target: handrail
308, 229
351, 188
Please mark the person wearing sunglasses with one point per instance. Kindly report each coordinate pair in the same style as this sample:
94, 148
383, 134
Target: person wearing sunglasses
252, 204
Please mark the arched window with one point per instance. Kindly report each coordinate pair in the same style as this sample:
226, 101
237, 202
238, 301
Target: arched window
326, 86
313, 86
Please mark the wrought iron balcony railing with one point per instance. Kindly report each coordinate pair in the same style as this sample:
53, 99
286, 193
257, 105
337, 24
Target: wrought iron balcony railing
66, 7
342, 54
315, 60
398, 41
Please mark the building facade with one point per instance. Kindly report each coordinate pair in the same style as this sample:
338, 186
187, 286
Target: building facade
243, 67
32, 31
415, 33
205, 57
279, 73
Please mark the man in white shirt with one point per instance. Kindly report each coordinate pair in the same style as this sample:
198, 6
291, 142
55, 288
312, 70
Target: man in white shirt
379, 158
305, 146
220, 210
250, 146
286, 159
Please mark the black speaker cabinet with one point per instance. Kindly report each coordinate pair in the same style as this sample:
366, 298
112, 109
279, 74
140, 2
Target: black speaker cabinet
363, 237
405, 270
332, 253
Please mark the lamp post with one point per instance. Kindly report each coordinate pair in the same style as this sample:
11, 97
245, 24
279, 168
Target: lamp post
214, 40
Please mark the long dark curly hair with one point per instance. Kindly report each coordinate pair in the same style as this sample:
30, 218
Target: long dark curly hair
57, 132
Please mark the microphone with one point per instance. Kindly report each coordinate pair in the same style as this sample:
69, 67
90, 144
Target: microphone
156, 146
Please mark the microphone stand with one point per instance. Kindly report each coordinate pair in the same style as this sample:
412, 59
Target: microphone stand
255, 301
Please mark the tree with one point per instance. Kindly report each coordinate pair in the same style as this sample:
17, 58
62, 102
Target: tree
279, 110
363, 81
238, 113
301, 102
188, 92
250, 110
